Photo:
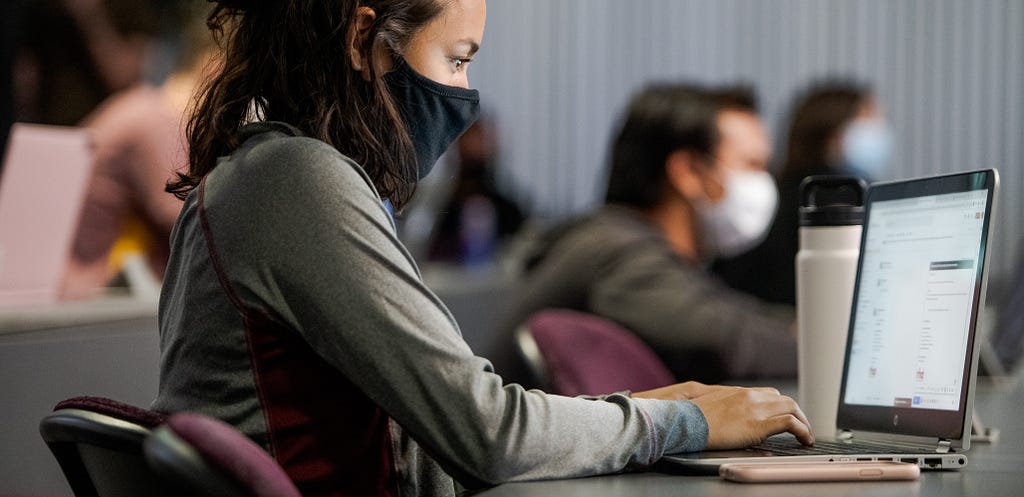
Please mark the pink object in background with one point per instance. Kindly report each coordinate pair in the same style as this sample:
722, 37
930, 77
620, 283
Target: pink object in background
45, 175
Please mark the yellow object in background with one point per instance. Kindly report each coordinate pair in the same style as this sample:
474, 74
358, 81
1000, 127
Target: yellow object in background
128, 258
133, 242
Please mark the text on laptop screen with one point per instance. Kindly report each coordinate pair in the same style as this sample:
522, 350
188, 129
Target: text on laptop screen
913, 307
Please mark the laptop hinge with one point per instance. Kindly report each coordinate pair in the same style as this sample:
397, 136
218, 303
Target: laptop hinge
944, 446
844, 436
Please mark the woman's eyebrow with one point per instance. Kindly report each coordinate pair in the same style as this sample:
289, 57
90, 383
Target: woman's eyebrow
472, 45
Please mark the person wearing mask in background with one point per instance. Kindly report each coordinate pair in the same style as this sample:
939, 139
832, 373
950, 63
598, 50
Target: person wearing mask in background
291, 310
478, 218
687, 184
834, 128
139, 134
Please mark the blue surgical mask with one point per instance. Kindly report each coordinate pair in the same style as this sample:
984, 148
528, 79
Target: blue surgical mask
867, 146
435, 114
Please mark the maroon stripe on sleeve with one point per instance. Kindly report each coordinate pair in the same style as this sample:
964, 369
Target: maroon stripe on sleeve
331, 439
328, 436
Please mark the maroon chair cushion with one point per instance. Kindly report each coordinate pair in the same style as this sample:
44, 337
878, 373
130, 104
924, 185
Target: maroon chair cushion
113, 408
585, 354
224, 447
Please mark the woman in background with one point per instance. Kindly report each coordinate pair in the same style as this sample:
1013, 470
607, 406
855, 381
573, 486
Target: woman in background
834, 128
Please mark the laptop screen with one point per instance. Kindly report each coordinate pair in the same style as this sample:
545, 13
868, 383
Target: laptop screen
919, 282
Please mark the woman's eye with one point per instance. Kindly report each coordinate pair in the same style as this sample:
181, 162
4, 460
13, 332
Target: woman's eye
460, 63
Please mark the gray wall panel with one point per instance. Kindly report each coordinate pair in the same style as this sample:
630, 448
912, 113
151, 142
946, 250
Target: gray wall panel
949, 72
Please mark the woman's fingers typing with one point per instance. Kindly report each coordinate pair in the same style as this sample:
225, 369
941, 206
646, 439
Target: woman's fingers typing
740, 417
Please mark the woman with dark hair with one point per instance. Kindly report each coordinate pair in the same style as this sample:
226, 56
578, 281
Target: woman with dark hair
834, 128
291, 310
827, 133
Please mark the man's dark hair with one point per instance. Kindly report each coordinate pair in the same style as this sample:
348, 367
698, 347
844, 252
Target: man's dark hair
739, 98
660, 120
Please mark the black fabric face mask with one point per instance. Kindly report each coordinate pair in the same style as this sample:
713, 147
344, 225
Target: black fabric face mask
435, 114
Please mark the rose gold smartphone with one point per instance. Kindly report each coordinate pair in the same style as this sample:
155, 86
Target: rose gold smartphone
815, 471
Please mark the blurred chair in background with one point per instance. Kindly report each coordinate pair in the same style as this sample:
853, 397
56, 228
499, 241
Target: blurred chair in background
98, 444
575, 353
204, 457
834, 128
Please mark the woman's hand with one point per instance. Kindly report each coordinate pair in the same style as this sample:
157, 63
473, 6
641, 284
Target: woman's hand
739, 417
680, 391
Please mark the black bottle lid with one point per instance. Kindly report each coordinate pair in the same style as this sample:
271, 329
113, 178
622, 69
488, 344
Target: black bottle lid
831, 200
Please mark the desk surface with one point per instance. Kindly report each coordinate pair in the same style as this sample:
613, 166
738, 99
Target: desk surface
993, 469
104, 309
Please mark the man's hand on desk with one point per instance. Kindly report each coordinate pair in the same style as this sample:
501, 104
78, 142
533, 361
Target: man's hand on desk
737, 416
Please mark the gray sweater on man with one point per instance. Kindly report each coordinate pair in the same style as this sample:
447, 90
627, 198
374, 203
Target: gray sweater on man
617, 263
291, 310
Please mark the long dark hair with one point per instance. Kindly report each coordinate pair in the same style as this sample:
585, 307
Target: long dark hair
818, 115
288, 60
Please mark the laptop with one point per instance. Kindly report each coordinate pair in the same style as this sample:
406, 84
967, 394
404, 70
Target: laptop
46, 172
910, 364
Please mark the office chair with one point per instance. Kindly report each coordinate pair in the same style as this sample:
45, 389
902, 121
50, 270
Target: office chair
98, 444
205, 457
575, 353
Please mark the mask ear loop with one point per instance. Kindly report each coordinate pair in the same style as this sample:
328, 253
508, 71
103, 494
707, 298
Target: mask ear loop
702, 165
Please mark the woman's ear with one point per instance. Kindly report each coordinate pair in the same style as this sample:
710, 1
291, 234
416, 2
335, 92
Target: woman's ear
358, 32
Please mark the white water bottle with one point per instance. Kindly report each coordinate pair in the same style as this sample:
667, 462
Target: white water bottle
831, 216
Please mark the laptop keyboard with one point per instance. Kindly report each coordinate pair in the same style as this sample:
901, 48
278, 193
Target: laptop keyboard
790, 447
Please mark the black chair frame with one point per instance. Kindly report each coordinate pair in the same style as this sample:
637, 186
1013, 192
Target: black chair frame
100, 455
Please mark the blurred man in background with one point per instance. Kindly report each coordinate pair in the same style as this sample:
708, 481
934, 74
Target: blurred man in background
688, 184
